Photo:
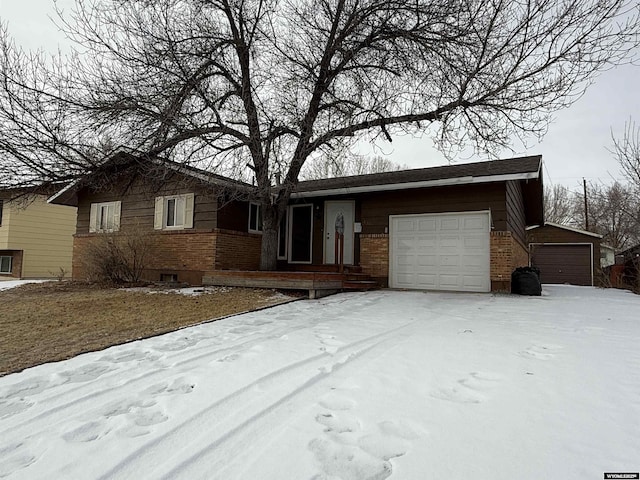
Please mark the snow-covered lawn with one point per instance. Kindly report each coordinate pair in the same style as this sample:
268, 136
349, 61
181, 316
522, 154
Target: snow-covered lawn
406, 385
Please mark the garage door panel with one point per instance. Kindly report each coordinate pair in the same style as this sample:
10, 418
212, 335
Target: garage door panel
563, 263
427, 225
474, 241
448, 261
406, 225
427, 281
453, 255
475, 223
449, 223
449, 282
471, 282
405, 260
427, 260
405, 243
426, 242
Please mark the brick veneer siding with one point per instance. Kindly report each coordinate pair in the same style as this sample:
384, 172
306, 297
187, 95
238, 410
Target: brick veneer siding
237, 250
506, 254
374, 256
186, 254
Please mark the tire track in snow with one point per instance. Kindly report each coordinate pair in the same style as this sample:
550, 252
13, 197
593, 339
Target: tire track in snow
148, 377
157, 452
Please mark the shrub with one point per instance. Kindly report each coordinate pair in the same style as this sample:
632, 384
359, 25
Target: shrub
118, 257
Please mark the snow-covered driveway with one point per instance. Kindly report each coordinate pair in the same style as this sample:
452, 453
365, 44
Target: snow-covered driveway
406, 385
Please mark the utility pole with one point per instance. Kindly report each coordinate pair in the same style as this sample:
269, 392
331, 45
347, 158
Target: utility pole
586, 209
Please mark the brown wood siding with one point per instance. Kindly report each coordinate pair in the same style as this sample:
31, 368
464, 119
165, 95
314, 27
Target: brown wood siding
516, 222
234, 216
376, 207
138, 204
560, 263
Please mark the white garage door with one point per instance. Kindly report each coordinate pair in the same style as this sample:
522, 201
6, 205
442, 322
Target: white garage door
447, 251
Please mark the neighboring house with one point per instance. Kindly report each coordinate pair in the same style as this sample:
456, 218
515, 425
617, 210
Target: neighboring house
36, 238
564, 254
607, 256
458, 227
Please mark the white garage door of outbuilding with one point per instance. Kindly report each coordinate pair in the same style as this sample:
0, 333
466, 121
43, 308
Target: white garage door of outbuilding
444, 251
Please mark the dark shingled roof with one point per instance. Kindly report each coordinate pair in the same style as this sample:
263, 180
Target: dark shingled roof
511, 166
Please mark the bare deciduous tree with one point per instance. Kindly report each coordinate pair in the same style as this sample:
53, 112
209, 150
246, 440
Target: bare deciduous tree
626, 151
560, 205
271, 84
614, 212
346, 165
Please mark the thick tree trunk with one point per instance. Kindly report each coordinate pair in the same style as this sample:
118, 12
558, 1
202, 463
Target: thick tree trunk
269, 248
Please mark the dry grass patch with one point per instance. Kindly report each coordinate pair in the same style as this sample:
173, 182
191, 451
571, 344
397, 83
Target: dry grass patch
45, 322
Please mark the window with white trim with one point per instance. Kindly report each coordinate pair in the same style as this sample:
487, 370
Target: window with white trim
105, 217
255, 218
5, 264
174, 212
282, 237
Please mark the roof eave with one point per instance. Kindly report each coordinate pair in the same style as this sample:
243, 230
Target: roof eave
419, 184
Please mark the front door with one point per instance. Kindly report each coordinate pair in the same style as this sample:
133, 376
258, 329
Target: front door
336, 215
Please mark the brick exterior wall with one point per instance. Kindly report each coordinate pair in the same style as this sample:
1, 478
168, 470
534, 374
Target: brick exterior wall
237, 250
374, 256
506, 254
186, 254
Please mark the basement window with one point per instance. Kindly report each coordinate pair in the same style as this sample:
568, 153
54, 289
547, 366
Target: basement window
5, 264
169, 277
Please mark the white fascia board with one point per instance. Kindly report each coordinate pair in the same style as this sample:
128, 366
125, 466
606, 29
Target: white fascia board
411, 185
64, 190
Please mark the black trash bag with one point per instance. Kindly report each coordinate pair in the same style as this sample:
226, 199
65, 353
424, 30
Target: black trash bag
526, 281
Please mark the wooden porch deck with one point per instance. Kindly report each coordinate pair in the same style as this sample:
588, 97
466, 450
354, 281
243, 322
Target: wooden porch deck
318, 283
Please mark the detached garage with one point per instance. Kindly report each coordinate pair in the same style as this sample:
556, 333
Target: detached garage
564, 254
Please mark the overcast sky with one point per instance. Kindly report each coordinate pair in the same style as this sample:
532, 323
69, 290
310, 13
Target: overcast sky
574, 147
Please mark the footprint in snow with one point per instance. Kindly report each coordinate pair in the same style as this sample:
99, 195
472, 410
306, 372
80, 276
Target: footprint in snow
10, 408
335, 401
338, 422
540, 352
176, 345
129, 356
179, 386
14, 457
347, 462
86, 373
395, 428
32, 386
383, 446
467, 390
88, 432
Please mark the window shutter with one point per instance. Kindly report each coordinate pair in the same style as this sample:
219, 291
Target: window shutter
93, 218
116, 215
159, 213
188, 210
